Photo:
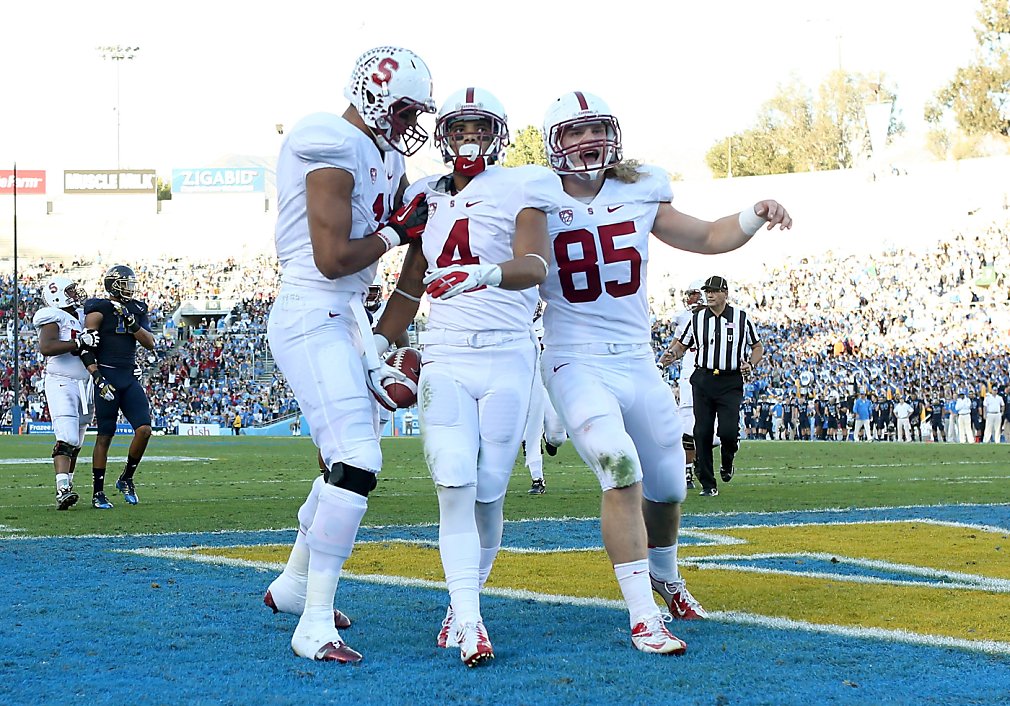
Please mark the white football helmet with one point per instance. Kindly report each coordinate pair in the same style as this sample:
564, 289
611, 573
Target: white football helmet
580, 108
389, 87
61, 292
471, 103
694, 298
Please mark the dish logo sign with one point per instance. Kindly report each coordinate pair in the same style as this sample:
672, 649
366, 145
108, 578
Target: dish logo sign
29, 181
218, 179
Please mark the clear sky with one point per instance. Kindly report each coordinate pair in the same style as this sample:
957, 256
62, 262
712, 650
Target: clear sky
212, 78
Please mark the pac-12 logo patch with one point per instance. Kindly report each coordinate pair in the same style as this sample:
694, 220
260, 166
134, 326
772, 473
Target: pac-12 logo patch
373, 173
431, 208
566, 216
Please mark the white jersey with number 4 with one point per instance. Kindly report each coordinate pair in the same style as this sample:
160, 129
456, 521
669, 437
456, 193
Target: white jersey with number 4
596, 287
323, 141
477, 226
65, 364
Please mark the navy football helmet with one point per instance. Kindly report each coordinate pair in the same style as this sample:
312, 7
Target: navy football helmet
121, 282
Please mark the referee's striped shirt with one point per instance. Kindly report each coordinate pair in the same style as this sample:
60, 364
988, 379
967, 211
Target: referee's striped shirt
721, 340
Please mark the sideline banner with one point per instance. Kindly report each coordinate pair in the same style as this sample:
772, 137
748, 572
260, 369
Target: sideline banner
199, 430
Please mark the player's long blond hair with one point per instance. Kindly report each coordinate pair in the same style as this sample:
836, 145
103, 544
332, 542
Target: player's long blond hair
626, 171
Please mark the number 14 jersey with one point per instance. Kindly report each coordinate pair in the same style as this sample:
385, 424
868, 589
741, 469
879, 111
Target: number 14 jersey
596, 284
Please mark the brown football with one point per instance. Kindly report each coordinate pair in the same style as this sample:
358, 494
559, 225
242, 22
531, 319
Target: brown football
408, 362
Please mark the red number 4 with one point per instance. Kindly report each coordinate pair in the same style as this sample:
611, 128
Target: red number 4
589, 263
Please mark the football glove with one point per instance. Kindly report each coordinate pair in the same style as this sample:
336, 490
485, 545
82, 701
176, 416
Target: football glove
447, 282
374, 379
406, 224
104, 387
84, 342
129, 319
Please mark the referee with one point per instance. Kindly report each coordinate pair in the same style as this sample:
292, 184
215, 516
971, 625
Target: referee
722, 334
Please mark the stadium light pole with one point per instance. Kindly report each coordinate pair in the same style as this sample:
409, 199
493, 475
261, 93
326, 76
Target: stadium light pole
118, 54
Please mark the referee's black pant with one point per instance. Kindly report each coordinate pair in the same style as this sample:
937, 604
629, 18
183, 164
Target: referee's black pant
715, 395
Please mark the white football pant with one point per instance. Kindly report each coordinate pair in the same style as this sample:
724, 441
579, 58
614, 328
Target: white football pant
71, 407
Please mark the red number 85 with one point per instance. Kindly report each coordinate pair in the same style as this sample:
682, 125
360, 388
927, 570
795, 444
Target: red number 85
589, 263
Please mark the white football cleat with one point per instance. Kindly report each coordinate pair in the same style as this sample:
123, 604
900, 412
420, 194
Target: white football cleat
286, 595
650, 635
474, 645
447, 633
322, 644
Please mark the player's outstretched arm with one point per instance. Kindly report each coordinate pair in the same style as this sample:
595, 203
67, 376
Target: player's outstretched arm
692, 234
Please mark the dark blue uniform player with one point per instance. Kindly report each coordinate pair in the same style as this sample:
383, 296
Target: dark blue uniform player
122, 322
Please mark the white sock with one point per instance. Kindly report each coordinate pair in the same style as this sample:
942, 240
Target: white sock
62, 481
633, 578
459, 547
663, 563
490, 524
537, 473
330, 540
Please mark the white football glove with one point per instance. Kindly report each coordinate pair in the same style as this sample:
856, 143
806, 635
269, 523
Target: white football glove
87, 339
447, 282
374, 379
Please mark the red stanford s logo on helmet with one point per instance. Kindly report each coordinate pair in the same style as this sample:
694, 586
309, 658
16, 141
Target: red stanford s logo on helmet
385, 72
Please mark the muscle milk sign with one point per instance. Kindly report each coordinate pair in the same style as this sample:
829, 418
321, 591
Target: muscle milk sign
229, 179
30, 181
109, 181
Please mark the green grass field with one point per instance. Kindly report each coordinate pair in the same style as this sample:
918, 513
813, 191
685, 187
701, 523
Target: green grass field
258, 483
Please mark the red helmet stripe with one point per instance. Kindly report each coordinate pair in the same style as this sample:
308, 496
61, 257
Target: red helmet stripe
469, 95
582, 100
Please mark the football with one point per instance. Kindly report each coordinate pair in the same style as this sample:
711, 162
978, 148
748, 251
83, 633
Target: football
408, 362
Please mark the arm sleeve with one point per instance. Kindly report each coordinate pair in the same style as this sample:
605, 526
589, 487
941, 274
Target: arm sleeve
102, 306
144, 320
321, 147
686, 335
658, 181
752, 337
539, 188
46, 315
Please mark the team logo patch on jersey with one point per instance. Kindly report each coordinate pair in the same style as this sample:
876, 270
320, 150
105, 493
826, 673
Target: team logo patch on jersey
566, 216
374, 173
431, 208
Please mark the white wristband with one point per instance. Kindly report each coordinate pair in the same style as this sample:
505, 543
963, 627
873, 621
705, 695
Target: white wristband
403, 294
543, 261
750, 222
494, 276
388, 236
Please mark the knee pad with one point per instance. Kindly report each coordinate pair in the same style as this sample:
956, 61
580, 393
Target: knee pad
688, 441
62, 448
77, 451
356, 480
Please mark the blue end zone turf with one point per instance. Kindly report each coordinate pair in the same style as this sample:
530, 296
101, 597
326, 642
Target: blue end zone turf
84, 623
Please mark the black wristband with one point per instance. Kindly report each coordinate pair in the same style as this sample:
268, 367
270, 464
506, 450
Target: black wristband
132, 326
88, 358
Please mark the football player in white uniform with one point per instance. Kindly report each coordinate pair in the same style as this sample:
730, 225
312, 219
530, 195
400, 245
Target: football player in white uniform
484, 250
70, 368
340, 179
598, 363
694, 301
542, 422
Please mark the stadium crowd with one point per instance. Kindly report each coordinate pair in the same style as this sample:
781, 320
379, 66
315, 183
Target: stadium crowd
897, 325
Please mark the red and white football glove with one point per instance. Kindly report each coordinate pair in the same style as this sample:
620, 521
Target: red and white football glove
447, 282
406, 224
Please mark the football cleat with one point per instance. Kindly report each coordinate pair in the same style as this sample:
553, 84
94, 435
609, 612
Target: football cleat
340, 621
66, 498
726, 473
474, 645
129, 491
100, 502
690, 481
551, 449
447, 633
650, 635
539, 487
709, 492
678, 599
322, 644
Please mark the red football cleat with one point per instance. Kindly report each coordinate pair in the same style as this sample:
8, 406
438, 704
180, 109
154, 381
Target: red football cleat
650, 635
337, 652
474, 645
678, 599
340, 621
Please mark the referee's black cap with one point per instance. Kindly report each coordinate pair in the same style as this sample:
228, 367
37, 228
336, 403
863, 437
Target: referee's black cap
716, 283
